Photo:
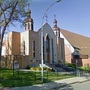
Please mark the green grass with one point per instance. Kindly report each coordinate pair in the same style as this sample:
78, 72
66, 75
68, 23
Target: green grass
7, 79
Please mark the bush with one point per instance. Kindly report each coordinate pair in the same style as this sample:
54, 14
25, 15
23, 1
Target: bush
71, 65
32, 68
44, 68
85, 68
48, 69
38, 68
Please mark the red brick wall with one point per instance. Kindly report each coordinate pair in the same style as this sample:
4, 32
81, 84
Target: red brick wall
86, 62
67, 54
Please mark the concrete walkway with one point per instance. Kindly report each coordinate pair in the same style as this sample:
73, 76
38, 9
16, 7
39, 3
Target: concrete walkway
51, 85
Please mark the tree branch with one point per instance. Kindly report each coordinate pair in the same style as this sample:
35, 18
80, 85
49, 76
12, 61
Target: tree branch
4, 8
7, 22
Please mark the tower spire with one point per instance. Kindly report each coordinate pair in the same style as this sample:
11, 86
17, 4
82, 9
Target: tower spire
46, 18
28, 21
55, 23
56, 29
29, 11
28, 5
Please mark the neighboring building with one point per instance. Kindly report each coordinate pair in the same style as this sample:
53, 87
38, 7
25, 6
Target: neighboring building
75, 42
25, 47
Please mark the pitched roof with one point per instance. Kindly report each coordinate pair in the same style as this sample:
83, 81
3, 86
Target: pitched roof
79, 42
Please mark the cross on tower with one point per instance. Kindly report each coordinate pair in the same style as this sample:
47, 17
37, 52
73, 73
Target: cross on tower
54, 16
46, 18
28, 5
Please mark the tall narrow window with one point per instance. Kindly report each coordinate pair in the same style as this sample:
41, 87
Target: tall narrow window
25, 26
33, 48
52, 52
23, 47
32, 26
28, 26
47, 44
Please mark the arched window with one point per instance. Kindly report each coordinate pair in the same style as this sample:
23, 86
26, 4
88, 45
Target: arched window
34, 49
32, 26
52, 51
28, 26
47, 44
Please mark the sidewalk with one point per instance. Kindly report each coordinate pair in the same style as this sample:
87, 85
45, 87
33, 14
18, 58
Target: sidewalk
51, 85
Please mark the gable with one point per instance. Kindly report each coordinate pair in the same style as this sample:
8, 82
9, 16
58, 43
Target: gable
47, 30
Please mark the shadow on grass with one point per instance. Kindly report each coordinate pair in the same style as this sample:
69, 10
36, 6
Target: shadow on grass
19, 79
18, 82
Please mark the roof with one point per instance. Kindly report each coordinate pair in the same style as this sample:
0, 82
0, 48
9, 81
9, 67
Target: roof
28, 20
79, 42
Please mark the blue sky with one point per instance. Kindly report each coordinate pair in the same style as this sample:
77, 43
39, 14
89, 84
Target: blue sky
72, 15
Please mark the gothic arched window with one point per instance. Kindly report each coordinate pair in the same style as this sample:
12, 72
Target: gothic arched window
47, 44
28, 25
33, 48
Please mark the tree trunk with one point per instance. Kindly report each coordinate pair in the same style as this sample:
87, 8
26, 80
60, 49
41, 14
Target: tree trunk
1, 42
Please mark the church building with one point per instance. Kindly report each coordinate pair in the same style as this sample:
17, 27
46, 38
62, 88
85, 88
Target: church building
25, 47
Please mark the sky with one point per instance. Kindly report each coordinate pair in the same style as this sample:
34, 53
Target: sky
71, 15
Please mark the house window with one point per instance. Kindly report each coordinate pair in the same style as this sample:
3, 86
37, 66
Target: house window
33, 48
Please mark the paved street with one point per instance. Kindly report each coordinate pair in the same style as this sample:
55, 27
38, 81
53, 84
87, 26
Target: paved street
82, 86
76, 86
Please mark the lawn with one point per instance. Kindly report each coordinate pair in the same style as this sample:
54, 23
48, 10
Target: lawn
10, 78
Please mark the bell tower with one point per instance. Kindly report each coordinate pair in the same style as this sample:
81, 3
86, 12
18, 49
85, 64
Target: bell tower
55, 28
28, 22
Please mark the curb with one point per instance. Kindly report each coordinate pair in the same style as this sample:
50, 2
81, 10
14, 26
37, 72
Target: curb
56, 87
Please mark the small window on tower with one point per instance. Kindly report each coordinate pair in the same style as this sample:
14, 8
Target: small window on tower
28, 25
32, 26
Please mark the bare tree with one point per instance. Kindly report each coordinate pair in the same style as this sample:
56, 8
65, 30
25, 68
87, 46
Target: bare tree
10, 11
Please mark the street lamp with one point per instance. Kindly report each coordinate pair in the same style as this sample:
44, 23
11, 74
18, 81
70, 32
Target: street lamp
42, 37
76, 57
